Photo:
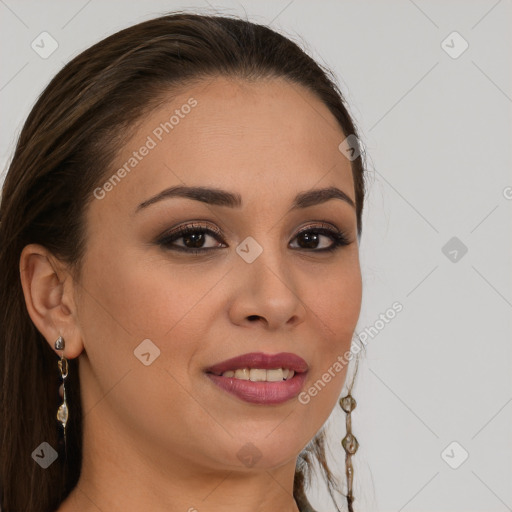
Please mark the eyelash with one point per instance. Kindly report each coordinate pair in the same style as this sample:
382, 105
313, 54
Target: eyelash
339, 239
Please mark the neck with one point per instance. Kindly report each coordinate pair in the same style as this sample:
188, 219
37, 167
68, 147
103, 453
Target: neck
116, 478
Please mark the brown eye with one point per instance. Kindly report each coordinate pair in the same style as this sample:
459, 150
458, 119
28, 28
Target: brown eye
311, 238
194, 237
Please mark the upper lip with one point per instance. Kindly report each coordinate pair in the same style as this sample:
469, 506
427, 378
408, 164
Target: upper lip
261, 360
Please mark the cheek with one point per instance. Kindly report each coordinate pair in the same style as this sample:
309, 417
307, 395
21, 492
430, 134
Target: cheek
334, 297
128, 300
335, 308
147, 297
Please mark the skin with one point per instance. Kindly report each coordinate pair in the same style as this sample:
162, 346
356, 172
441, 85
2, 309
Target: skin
163, 437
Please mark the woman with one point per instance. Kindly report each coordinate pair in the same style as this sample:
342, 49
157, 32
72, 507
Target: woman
179, 232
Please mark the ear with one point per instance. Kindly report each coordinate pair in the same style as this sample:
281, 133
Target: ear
48, 290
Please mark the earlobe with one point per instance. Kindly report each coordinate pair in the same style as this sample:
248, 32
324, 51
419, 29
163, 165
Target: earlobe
48, 292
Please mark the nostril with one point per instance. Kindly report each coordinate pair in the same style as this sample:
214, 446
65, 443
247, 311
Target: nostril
254, 317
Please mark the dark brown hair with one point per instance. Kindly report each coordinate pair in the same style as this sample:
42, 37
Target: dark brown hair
103, 92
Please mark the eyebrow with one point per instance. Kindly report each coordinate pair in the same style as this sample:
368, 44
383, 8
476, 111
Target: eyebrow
218, 197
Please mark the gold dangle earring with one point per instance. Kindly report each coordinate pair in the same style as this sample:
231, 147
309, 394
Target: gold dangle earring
62, 413
350, 445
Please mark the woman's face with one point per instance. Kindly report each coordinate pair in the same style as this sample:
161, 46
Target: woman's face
258, 286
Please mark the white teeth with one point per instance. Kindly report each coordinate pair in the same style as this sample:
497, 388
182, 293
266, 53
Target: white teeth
260, 375
241, 374
274, 375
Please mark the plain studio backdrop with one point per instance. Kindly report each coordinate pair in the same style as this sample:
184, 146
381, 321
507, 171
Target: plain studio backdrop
429, 85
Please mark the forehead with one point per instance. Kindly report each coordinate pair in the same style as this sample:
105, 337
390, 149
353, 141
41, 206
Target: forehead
260, 137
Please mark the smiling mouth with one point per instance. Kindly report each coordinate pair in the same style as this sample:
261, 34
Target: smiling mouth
258, 374
260, 386
259, 378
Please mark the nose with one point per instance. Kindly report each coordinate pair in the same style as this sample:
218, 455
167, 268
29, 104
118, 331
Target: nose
268, 292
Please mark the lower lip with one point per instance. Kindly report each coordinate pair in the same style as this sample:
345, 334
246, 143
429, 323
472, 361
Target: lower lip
261, 392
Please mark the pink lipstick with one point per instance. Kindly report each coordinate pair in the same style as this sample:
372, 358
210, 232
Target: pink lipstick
261, 378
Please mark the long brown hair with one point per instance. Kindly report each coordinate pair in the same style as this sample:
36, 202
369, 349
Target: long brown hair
103, 92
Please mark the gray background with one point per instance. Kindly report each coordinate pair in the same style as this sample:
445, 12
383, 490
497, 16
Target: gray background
437, 130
